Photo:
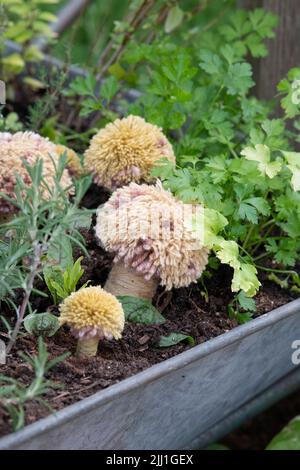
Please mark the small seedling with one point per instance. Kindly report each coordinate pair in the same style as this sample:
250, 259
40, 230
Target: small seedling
41, 324
62, 283
242, 308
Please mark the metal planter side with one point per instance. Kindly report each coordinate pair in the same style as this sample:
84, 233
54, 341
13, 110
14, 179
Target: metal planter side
172, 403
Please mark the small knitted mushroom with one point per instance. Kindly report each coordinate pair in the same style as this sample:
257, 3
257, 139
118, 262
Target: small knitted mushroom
150, 232
30, 147
126, 150
93, 314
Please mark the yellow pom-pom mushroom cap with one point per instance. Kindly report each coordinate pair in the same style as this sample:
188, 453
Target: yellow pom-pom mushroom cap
126, 150
93, 312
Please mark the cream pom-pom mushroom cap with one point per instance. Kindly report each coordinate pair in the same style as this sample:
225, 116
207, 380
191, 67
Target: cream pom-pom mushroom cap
30, 147
145, 226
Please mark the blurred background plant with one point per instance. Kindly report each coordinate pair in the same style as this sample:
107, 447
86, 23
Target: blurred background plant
23, 23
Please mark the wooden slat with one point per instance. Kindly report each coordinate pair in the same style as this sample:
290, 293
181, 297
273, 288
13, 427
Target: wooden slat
284, 49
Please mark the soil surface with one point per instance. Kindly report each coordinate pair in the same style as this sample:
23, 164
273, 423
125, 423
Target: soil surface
187, 310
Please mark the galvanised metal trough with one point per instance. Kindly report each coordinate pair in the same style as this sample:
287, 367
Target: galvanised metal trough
185, 402
172, 403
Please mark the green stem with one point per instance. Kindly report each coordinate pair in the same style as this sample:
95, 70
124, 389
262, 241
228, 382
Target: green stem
264, 238
263, 255
245, 251
280, 271
250, 231
270, 222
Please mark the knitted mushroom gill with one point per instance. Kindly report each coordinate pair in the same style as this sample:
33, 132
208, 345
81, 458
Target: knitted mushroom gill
93, 314
30, 147
125, 151
145, 226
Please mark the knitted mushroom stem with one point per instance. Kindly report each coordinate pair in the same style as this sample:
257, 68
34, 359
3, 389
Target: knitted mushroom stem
87, 347
127, 281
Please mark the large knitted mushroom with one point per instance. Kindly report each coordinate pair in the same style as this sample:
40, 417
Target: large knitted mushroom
150, 232
126, 150
30, 147
92, 314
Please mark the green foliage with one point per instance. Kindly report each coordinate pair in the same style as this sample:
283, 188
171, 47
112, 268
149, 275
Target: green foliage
232, 157
53, 81
10, 123
289, 88
174, 18
61, 283
138, 310
217, 446
246, 29
24, 22
241, 308
14, 394
41, 324
86, 88
49, 223
12, 272
288, 438
175, 338
91, 32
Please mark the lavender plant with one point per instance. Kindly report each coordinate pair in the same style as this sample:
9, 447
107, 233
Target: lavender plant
43, 231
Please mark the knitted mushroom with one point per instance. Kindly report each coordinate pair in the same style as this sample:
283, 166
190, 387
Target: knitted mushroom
149, 230
30, 147
92, 314
125, 151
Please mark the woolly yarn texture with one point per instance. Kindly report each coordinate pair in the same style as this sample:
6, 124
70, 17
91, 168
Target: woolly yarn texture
30, 147
92, 312
126, 150
146, 228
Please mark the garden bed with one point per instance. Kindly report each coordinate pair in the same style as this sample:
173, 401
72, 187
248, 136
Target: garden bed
185, 309
225, 153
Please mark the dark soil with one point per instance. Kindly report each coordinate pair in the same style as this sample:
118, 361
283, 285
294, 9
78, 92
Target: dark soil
187, 310
257, 433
